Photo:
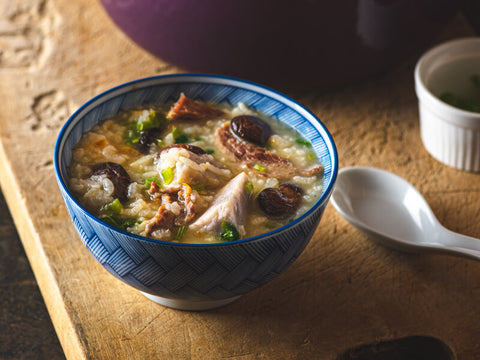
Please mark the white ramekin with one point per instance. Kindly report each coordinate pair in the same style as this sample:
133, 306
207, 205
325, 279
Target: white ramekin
449, 134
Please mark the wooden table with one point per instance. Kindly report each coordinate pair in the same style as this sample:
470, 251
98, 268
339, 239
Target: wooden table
344, 291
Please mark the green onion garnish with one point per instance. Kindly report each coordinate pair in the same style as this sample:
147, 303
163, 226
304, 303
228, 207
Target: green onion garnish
469, 104
113, 208
150, 180
182, 139
128, 223
248, 187
303, 142
167, 175
229, 232
181, 230
179, 137
154, 120
110, 220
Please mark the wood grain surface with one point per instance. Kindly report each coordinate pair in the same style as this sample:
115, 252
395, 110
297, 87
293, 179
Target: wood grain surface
344, 291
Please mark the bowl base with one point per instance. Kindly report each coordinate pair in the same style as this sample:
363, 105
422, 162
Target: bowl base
189, 305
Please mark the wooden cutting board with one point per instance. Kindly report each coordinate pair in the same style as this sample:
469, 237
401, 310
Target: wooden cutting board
343, 292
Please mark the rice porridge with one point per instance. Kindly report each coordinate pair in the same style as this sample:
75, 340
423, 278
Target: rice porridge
196, 173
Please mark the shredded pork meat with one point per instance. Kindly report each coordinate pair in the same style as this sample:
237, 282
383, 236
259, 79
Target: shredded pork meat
177, 207
251, 155
186, 109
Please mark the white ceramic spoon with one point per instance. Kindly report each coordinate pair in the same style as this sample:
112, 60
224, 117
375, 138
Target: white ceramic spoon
390, 210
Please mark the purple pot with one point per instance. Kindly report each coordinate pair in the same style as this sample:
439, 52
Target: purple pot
280, 42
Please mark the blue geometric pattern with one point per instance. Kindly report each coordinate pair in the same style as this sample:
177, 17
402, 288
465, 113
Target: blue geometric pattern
194, 271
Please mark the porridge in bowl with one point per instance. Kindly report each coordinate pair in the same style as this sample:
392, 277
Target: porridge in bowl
195, 173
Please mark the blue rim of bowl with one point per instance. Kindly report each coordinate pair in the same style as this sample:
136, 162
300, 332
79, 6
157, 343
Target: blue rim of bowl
219, 79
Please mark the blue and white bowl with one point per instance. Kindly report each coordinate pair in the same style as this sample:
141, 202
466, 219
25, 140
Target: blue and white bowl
194, 276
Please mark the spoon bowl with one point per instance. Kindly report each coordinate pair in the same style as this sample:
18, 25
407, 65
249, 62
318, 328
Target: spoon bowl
391, 211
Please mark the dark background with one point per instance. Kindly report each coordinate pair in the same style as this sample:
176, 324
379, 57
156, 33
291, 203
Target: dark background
26, 331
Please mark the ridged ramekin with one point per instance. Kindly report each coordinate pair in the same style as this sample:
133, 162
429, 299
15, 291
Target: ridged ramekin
451, 135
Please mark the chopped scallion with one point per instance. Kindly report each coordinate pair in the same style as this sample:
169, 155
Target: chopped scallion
182, 139
128, 223
113, 208
248, 187
110, 220
180, 232
469, 104
229, 232
175, 132
150, 180
258, 167
303, 142
179, 137
154, 120
167, 175
119, 223
132, 137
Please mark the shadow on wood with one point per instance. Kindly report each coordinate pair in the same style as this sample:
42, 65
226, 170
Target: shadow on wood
409, 348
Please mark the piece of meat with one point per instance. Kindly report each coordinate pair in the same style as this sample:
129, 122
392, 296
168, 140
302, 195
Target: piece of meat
192, 168
188, 200
177, 208
154, 190
274, 165
163, 219
230, 206
186, 109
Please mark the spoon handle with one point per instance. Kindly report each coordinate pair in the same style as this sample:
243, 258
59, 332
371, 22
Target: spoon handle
462, 245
